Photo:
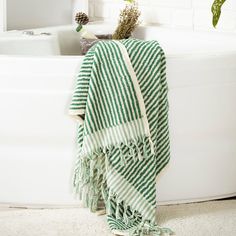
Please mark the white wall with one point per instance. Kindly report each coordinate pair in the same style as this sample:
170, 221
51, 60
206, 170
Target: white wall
2, 15
23, 14
191, 14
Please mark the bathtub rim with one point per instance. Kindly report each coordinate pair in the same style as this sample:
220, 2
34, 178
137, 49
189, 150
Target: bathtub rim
168, 56
109, 25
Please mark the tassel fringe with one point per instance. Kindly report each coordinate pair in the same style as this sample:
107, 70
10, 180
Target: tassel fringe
90, 183
142, 228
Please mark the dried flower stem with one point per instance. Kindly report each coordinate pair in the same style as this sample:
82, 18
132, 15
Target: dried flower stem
128, 22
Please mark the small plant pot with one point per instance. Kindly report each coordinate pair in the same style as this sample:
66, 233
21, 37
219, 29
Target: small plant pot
86, 44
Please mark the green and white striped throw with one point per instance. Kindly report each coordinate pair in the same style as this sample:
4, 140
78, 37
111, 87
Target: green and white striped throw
120, 102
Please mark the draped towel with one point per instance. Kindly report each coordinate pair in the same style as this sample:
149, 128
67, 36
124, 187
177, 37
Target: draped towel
120, 103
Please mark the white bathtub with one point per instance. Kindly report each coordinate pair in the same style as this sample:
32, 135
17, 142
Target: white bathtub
37, 138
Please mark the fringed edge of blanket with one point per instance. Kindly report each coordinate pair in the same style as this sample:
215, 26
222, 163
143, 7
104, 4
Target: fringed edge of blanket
90, 184
129, 134
141, 226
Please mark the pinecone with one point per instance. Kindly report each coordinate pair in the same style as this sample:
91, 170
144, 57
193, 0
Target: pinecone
81, 18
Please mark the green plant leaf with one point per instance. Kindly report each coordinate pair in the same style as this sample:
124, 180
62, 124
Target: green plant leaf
130, 1
216, 11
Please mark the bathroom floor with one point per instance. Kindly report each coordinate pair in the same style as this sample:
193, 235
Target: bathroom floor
213, 218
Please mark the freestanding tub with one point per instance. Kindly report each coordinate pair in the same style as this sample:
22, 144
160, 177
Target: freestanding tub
37, 137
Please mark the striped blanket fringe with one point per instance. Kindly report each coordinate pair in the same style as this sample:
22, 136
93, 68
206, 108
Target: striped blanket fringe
90, 184
123, 138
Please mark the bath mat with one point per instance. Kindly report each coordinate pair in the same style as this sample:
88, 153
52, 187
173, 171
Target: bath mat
214, 218
120, 103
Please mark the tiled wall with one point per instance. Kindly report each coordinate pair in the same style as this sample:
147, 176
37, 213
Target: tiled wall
191, 14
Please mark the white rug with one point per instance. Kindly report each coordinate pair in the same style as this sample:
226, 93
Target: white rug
215, 218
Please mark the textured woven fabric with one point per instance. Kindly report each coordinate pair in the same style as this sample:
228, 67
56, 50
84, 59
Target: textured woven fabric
121, 104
